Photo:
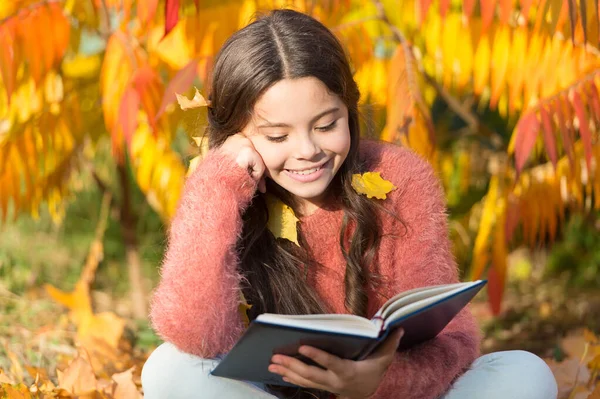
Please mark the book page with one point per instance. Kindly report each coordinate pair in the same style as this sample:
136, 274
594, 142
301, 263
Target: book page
426, 301
406, 297
335, 323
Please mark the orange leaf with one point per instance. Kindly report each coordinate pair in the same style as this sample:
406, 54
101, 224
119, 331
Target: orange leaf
146, 10
548, 135
128, 113
7, 57
150, 89
584, 128
468, 7
126, 388
43, 25
78, 378
526, 130
487, 14
444, 8
525, 6
404, 97
506, 8
61, 30
31, 47
424, 7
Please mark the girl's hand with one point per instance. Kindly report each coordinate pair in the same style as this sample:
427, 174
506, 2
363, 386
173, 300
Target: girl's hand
242, 150
347, 378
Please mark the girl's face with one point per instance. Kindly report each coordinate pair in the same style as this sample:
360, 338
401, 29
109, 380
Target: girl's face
301, 132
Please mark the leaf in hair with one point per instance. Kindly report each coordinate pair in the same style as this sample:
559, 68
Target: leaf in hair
372, 185
243, 308
282, 220
196, 102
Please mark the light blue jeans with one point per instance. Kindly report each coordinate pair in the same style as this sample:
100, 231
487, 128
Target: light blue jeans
172, 374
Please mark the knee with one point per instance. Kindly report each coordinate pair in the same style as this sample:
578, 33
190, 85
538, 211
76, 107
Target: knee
168, 372
527, 374
154, 369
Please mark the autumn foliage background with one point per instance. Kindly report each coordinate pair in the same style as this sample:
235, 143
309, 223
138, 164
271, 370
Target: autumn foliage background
501, 96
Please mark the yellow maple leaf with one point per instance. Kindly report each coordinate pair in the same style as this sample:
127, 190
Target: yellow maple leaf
372, 185
196, 102
282, 219
243, 309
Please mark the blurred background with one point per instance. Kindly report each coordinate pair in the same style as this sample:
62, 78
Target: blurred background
96, 138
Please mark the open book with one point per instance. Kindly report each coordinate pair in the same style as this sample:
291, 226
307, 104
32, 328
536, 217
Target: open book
422, 313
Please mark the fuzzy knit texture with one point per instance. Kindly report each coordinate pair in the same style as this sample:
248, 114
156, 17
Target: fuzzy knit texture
195, 305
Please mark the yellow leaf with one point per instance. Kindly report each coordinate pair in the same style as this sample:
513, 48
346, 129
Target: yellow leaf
82, 66
594, 364
243, 309
372, 185
196, 102
282, 220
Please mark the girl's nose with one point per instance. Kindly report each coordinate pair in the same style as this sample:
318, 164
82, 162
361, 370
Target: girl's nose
307, 148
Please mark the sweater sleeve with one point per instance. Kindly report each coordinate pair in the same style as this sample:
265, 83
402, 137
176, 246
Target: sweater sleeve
423, 257
195, 305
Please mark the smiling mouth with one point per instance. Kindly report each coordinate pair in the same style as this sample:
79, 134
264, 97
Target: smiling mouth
307, 171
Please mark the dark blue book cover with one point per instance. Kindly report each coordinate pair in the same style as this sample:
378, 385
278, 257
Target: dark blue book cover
249, 359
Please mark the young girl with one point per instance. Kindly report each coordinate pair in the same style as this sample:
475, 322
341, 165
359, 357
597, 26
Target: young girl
283, 121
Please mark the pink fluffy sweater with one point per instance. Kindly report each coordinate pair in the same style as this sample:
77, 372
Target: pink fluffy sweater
195, 305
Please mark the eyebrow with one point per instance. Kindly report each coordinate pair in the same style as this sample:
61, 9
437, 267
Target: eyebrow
316, 118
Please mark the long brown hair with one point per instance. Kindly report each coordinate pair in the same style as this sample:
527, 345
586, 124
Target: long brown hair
288, 45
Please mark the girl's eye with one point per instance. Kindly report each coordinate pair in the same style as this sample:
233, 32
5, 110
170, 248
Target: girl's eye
327, 128
278, 139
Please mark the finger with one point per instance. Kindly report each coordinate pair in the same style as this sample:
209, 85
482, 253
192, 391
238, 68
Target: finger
327, 360
295, 378
258, 168
390, 345
301, 369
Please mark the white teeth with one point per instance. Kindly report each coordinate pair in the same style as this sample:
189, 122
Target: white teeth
304, 172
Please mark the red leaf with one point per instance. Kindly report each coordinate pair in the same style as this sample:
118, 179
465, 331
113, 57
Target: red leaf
527, 130
549, 140
506, 9
592, 91
179, 84
197, 4
584, 128
495, 290
128, 113
487, 13
512, 220
444, 8
146, 11
7, 57
563, 127
171, 15
468, 7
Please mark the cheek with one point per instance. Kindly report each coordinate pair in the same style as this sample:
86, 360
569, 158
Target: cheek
272, 156
340, 144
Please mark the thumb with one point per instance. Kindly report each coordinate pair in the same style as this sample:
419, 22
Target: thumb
390, 344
